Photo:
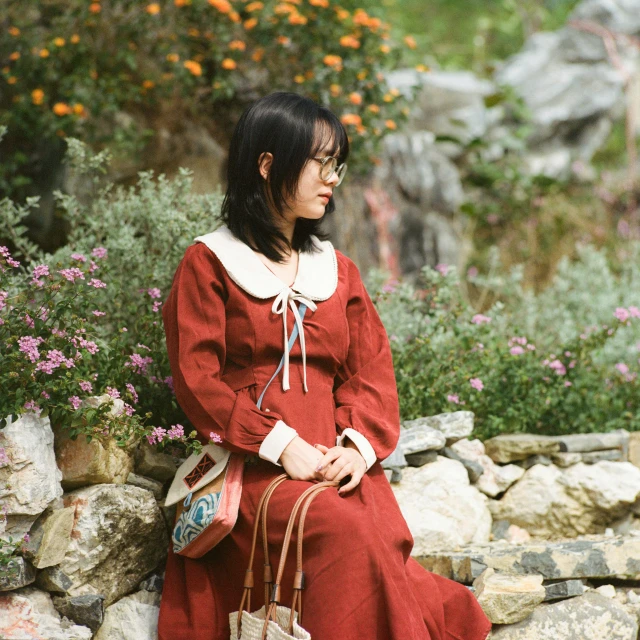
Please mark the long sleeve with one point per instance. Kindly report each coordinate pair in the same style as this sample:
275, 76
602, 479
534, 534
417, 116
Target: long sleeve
365, 392
194, 322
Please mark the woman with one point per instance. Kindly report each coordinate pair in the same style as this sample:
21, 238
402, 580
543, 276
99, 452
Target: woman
331, 414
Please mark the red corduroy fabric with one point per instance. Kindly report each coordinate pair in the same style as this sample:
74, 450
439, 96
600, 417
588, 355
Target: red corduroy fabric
361, 582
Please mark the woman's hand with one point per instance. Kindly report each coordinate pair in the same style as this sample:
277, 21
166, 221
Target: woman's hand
300, 460
339, 462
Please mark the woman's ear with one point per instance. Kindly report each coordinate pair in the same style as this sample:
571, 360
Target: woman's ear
264, 163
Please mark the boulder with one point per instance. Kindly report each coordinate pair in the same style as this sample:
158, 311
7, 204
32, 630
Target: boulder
28, 614
154, 464
422, 458
519, 446
87, 611
149, 484
454, 425
634, 448
135, 616
119, 536
507, 599
50, 537
591, 616
589, 442
420, 438
31, 480
17, 573
474, 469
395, 461
563, 590
440, 506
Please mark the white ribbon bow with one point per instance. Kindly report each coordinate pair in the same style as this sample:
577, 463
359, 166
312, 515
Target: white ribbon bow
285, 298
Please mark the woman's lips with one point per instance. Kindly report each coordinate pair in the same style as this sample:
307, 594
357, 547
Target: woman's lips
326, 198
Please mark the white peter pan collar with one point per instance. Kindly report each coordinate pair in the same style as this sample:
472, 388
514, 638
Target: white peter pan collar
317, 276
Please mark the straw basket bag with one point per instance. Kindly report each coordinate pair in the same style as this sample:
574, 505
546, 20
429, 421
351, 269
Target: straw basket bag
275, 622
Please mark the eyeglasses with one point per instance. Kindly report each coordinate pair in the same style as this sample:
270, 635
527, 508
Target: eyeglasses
328, 165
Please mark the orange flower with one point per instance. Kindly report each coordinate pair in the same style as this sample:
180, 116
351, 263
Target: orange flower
361, 129
250, 23
296, 18
361, 17
12, 80
223, 6
343, 14
194, 33
15, 55
387, 97
374, 108
59, 42
61, 133
377, 131
181, 3
422, 67
14, 31
374, 24
193, 66
355, 98
254, 6
283, 8
78, 109
257, 55
75, 38
385, 48
95, 7
333, 61
44, 53
350, 41
284, 41
153, 9
298, 78
410, 42
362, 74
335, 89
351, 118
309, 74
234, 16
173, 57
61, 109
148, 84
319, 3
37, 96
167, 76
390, 124
228, 63
237, 44
394, 92
93, 74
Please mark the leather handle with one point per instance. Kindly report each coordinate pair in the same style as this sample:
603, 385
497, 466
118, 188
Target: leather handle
248, 578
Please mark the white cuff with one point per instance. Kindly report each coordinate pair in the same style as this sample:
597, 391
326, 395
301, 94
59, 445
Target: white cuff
276, 441
364, 446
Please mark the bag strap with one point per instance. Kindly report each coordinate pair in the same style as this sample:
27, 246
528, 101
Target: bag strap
294, 334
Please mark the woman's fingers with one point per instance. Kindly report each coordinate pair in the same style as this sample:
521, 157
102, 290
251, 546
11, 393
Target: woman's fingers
352, 484
334, 471
329, 457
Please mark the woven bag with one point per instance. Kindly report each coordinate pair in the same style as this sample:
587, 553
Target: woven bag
275, 622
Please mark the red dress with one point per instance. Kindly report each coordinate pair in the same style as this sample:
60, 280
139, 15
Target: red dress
225, 341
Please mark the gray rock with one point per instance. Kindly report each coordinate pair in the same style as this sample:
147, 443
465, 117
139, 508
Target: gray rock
531, 461
396, 476
610, 455
581, 442
395, 461
563, 590
596, 557
84, 610
154, 464
454, 425
134, 616
422, 458
420, 438
589, 617
49, 538
565, 460
54, 580
474, 469
499, 529
153, 583
17, 573
155, 487
519, 446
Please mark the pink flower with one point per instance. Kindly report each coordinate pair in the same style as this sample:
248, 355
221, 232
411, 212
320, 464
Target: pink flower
138, 363
516, 351
86, 386
453, 398
154, 293
622, 368
128, 409
476, 383
156, 305
98, 313
29, 345
28, 320
4, 295
32, 406
622, 314
113, 392
169, 382
93, 267
4, 252
390, 287
132, 390
635, 312
75, 402
44, 394
71, 274
480, 319
567, 383
472, 272
531, 347
98, 284
99, 252
157, 435
558, 367
214, 437
79, 257
442, 268
176, 432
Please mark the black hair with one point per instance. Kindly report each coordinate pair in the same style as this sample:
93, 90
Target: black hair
287, 125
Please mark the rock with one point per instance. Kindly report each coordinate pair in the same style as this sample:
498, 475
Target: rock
517, 535
422, 458
420, 438
518, 446
634, 448
440, 507
589, 617
474, 469
28, 614
31, 480
454, 425
97, 462
87, 611
153, 583
49, 538
54, 580
563, 590
584, 499
611, 455
153, 486
395, 461
494, 479
396, 476
565, 460
389, 474
582, 442
607, 590
135, 616
507, 599
529, 462
154, 464
596, 557
119, 536
16, 573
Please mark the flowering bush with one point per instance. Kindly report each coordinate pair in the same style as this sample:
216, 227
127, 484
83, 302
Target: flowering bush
67, 68
448, 358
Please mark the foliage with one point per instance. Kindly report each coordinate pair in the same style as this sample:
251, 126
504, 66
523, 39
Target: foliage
68, 68
448, 357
